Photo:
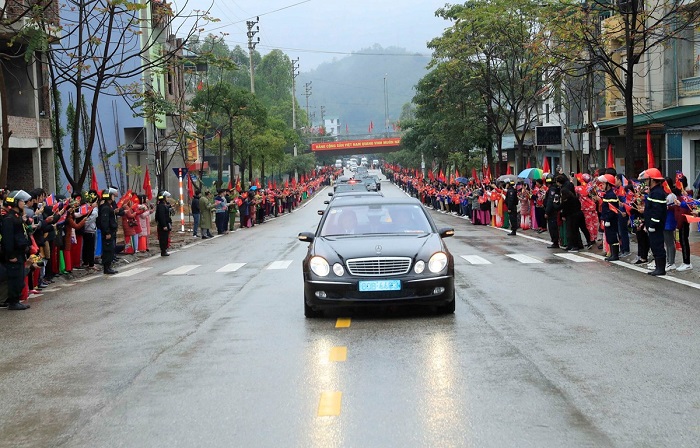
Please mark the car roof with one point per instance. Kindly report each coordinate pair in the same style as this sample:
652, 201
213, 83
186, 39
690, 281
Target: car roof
353, 194
379, 200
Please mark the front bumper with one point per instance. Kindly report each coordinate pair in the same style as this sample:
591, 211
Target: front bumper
345, 292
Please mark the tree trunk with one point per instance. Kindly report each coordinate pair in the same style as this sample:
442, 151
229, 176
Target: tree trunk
6, 133
250, 169
220, 177
230, 149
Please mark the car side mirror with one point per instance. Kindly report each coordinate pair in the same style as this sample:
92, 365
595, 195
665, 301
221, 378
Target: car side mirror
446, 232
320, 212
326, 202
306, 237
330, 194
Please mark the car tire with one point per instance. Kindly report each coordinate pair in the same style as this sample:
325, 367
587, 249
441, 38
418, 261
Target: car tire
310, 313
448, 308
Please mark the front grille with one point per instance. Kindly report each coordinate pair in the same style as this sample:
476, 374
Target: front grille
379, 266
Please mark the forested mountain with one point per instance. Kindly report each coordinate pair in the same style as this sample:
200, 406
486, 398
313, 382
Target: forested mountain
352, 88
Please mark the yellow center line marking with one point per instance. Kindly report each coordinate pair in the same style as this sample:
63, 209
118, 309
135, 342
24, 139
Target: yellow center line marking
342, 322
329, 404
338, 354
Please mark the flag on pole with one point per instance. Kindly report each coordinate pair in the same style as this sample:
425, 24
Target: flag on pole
529, 165
190, 186
474, 175
51, 200
93, 180
650, 151
545, 165
509, 170
238, 184
456, 172
371, 127
611, 157
230, 185
147, 189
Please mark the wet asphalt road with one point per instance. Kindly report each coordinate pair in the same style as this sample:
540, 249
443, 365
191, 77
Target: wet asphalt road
556, 353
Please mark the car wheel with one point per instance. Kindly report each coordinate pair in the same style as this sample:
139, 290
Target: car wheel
310, 313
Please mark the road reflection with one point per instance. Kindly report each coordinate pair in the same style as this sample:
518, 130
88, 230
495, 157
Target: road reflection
443, 402
325, 432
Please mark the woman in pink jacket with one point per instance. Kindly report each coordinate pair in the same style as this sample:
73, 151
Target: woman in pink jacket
145, 222
132, 227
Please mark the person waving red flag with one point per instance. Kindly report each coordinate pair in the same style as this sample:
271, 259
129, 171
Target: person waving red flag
93, 180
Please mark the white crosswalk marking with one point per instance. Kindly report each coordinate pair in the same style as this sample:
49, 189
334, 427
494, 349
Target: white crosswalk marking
475, 259
575, 258
231, 267
280, 264
526, 259
182, 269
131, 272
86, 279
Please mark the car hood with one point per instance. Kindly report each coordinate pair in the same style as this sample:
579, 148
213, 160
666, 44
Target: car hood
346, 247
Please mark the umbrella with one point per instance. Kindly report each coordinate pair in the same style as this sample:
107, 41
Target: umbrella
462, 180
531, 173
509, 177
253, 188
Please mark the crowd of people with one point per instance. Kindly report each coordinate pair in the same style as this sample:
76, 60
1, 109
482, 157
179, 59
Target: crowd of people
579, 211
44, 235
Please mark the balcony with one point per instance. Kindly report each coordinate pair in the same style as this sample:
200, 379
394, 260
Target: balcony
689, 87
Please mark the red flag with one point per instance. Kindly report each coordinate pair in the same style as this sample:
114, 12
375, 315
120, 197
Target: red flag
529, 165
200, 86
452, 178
441, 176
230, 184
667, 188
457, 172
93, 180
371, 127
294, 182
68, 188
274, 185
238, 184
509, 170
257, 182
431, 176
474, 175
650, 151
190, 186
488, 175
269, 185
545, 165
147, 185
611, 157
286, 184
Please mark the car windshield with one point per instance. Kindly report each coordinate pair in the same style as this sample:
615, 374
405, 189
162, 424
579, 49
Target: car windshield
340, 188
375, 219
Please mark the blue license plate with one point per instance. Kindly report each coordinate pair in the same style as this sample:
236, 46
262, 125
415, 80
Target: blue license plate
380, 285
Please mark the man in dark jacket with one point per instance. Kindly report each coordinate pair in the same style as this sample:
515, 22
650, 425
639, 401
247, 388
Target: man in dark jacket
196, 214
15, 244
552, 203
512, 206
655, 217
163, 222
107, 223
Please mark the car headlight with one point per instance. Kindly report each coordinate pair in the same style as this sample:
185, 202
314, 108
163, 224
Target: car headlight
338, 269
419, 267
319, 266
437, 262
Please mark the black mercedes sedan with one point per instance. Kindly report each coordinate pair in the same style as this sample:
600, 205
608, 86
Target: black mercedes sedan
375, 251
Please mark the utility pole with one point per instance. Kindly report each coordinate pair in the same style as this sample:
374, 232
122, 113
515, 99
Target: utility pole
295, 73
251, 46
307, 94
386, 108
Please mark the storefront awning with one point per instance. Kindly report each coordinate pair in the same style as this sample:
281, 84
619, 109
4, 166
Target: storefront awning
672, 117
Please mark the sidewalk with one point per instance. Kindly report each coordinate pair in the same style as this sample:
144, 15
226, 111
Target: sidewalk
694, 238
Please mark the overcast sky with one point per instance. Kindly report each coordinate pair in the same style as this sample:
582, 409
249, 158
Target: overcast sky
318, 31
